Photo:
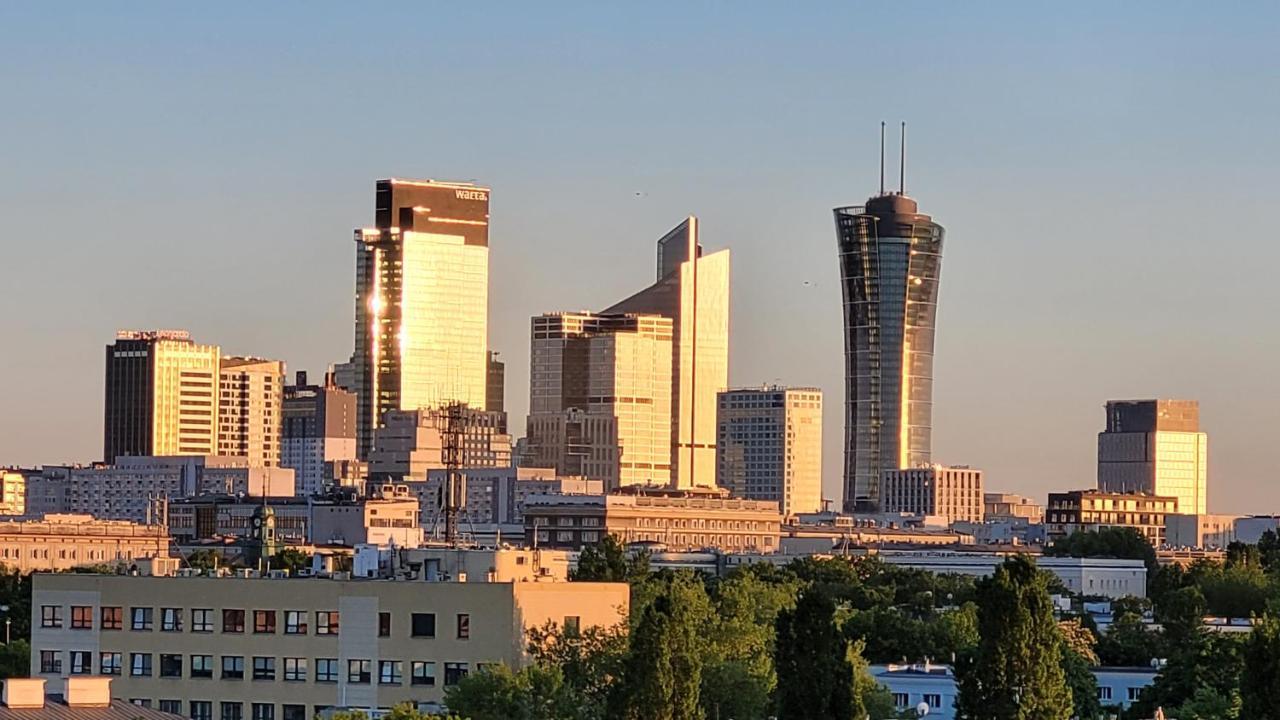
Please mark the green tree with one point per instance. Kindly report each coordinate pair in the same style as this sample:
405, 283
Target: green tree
1128, 642
292, 560
1016, 672
811, 658
1260, 686
204, 560
662, 673
15, 592
15, 659
591, 661
497, 693
609, 561
1114, 542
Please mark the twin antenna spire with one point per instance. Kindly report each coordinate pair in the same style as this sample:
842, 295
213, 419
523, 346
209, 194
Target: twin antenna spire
902, 160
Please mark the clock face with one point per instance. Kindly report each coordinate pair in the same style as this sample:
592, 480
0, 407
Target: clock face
257, 522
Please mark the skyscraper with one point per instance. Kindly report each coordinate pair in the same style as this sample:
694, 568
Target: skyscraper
600, 397
890, 260
769, 446
692, 290
495, 396
319, 427
161, 395
422, 289
1155, 447
250, 409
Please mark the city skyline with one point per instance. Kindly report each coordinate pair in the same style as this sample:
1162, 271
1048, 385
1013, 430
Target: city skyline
1054, 301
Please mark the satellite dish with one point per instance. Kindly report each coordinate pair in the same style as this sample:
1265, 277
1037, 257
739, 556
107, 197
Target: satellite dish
922, 709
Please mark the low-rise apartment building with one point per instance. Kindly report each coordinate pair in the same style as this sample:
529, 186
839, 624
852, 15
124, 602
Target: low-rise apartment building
954, 493
243, 648
1087, 510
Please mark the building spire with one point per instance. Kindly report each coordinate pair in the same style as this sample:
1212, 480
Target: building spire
881, 157
902, 162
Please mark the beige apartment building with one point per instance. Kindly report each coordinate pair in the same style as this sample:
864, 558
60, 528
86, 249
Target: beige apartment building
161, 395
1087, 510
64, 542
951, 492
250, 399
13, 492
769, 446
236, 648
600, 397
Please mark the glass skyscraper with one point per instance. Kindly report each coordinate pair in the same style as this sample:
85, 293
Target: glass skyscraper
890, 260
1155, 447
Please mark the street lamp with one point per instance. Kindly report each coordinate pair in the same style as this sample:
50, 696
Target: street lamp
5, 609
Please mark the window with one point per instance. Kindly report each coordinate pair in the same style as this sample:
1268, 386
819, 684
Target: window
1134, 693
326, 622
140, 664
112, 618
422, 673
201, 666
900, 700
264, 711
384, 624
464, 626
109, 663
81, 662
326, 670
934, 701
81, 617
232, 621
232, 711
51, 616
202, 620
170, 666
423, 625
295, 669
142, 618
359, 672
264, 621
171, 706
171, 619
232, 667
295, 622
390, 672
572, 624
140, 702
201, 709
264, 668
50, 661
1104, 693
454, 672
293, 712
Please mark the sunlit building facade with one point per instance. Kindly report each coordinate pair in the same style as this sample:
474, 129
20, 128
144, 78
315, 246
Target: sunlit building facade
318, 431
769, 446
890, 264
161, 395
422, 289
250, 409
693, 290
1155, 447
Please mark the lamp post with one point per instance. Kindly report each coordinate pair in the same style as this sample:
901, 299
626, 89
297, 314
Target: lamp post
5, 609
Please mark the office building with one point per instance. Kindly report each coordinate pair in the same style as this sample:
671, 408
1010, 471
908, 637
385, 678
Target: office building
1155, 447
422, 296
13, 491
161, 395
953, 493
495, 393
60, 542
250, 397
411, 442
1007, 507
496, 496
675, 520
600, 397
81, 698
692, 290
319, 428
1089, 510
285, 649
890, 265
1203, 532
769, 446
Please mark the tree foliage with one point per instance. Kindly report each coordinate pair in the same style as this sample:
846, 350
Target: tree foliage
815, 675
1260, 686
609, 561
1112, 542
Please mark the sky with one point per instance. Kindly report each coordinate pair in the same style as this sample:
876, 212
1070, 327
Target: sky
1106, 173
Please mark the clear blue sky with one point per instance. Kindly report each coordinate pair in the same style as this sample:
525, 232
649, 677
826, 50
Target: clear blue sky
1107, 174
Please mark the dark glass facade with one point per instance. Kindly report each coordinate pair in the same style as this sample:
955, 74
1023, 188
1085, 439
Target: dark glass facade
890, 263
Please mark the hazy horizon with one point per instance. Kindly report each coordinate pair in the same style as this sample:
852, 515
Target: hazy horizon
1104, 184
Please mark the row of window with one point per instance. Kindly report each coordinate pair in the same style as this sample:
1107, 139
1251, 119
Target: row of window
422, 673
264, 622
203, 709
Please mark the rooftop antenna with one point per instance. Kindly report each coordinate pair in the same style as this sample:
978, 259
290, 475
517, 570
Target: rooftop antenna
882, 157
902, 162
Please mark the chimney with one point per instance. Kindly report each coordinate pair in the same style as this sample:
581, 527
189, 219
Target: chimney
85, 691
24, 693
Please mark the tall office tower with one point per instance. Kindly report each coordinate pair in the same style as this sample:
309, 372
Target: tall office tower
890, 260
249, 409
1155, 447
600, 397
161, 395
422, 296
495, 394
319, 427
769, 446
692, 290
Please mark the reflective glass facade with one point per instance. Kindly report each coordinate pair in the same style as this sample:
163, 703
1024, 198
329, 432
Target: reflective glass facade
1155, 447
890, 263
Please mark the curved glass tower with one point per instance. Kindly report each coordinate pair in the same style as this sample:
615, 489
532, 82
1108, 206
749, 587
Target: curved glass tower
890, 261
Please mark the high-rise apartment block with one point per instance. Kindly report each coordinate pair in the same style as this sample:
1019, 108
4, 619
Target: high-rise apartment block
890, 263
769, 446
161, 395
319, 427
422, 289
600, 397
250, 397
692, 290
951, 492
1155, 447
